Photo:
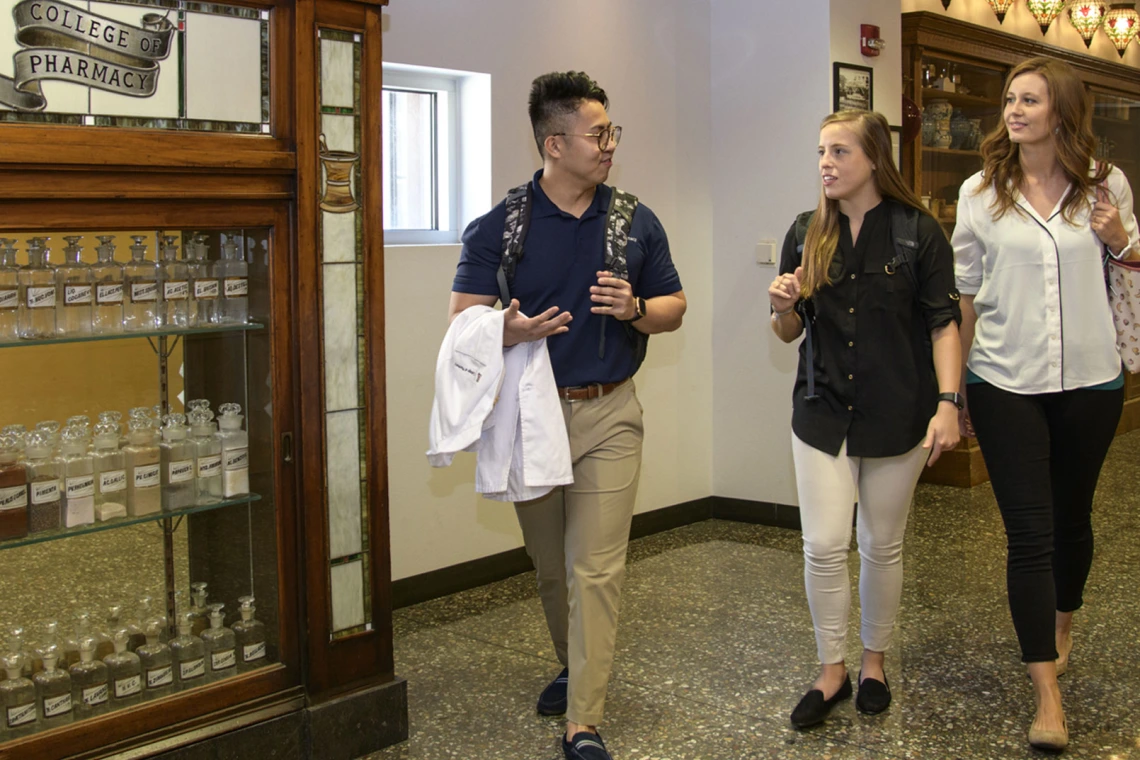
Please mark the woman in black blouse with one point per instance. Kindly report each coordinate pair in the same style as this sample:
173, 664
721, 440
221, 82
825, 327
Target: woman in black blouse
875, 394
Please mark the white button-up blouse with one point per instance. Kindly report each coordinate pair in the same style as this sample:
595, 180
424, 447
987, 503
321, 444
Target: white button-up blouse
1043, 319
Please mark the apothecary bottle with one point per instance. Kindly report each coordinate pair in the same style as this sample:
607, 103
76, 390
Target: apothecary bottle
17, 698
13, 489
53, 690
9, 291
113, 624
189, 653
78, 479
45, 499
235, 452
221, 645
157, 661
178, 484
110, 466
90, 681
198, 608
250, 635
144, 469
74, 289
178, 308
207, 452
124, 671
233, 271
206, 285
38, 293
107, 281
141, 309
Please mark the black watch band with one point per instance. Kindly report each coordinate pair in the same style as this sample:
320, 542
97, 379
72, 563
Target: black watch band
638, 302
954, 398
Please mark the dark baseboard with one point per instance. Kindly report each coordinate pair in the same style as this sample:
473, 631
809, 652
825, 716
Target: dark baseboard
756, 512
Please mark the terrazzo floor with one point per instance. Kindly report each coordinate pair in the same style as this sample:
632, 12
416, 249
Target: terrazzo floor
715, 647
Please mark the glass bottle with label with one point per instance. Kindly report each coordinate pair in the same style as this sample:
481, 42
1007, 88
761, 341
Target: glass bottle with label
9, 291
207, 453
189, 653
73, 287
45, 500
144, 469
78, 479
13, 489
110, 468
178, 483
17, 698
113, 624
235, 452
198, 609
157, 661
206, 285
124, 671
233, 271
90, 681
178, 308
37, 294
51, 428
250, 635
107, 281
221, 645
114, 418
53, 690
141, 286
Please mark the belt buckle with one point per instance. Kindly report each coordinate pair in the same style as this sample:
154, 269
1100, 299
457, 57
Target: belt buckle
601, 390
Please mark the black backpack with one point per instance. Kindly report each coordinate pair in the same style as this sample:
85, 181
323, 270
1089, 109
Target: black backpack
619, 220
904, 232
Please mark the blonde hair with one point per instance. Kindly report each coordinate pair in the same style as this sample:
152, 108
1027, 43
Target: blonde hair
874, 137
1074, 141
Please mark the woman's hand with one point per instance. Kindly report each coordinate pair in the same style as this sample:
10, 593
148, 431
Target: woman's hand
1105, 222
942, 432
784, 292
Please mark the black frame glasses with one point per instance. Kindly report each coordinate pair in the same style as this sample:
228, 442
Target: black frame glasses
611, 132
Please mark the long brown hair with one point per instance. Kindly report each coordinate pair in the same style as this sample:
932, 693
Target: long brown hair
874, 136
1073, 138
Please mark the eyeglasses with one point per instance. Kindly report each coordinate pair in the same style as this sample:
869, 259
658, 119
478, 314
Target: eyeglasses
609, 133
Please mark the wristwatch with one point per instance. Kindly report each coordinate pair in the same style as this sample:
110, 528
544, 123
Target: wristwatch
954, 398
639, 302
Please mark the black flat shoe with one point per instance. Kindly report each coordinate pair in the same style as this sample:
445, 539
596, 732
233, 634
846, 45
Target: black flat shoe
552, 700
813, 708
874, 695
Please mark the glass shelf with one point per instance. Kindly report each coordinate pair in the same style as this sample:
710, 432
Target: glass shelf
957, 98
122, 522
128, 335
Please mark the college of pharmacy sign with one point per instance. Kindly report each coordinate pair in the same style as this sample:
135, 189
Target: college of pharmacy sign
60, 41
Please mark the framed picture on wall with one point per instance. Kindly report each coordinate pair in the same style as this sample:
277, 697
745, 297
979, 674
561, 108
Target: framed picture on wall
852, 88
896, 146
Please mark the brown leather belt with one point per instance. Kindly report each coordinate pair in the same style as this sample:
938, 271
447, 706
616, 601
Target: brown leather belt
585, 392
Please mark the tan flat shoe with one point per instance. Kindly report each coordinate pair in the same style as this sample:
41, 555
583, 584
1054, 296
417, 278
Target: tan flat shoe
1052, 741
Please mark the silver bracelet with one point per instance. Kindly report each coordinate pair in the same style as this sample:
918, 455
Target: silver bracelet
783, 313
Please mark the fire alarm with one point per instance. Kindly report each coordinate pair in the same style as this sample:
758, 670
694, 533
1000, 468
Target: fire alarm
869, 41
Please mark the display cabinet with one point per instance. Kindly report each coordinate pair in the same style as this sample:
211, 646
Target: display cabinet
955, 71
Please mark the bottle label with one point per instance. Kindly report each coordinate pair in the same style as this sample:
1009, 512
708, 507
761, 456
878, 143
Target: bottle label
210, 466
15, 497
21, 714
77, 295
45, 492
236, 287
95, 695
156, 677
224, 659
251, 652
41, 298
147, 475
127, 687
206, 290
176, 290
112, 293
181, 471
111, 481
55, 706
192, 669
9, 299
80, 486
237, 459
147, 290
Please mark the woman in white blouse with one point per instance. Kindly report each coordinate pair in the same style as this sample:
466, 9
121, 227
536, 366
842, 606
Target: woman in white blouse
1044, 382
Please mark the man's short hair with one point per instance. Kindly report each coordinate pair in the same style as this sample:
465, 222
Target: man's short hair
556, 95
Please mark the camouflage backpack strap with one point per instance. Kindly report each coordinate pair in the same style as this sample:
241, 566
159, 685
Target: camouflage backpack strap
802, 223
519, 203
619, 221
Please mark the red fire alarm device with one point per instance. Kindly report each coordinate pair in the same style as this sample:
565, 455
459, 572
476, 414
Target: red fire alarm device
869, 41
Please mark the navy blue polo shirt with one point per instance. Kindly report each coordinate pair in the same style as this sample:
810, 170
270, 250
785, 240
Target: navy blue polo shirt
561, 258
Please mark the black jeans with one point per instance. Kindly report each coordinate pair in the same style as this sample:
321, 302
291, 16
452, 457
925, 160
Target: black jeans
1044, 453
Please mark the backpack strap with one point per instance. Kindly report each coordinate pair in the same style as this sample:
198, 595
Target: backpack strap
519, 204
803, 221
904, 232
619, 221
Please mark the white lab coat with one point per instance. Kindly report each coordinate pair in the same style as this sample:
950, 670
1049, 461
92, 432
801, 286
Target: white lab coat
501, 403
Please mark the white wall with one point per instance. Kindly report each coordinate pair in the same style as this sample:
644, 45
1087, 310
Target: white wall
652, 57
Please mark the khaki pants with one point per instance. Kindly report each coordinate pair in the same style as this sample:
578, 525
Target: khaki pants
577, 537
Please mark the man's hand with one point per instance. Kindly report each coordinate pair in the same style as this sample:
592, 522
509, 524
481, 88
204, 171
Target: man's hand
520, 329
613, 296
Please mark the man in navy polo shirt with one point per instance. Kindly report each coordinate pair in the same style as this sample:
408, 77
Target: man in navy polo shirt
577, 535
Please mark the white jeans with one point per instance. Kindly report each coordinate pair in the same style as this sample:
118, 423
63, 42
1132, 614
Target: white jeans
828, 488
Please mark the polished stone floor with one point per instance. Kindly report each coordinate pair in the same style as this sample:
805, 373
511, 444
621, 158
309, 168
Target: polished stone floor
715, 647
